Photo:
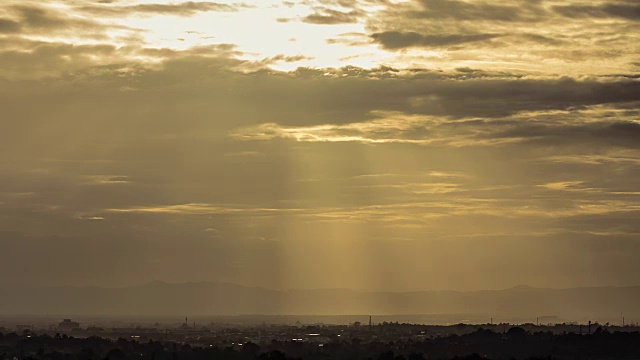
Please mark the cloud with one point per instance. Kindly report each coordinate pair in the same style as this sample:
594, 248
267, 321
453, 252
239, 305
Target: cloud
539, 38
45, 18
178, 9
35, 59
119, 143
91, 218
407, 212
532, 36
334, 96
47, 21
279, 59
31, 59
107, 180
479, 10
399, 40
622, 10
9, 26
615, 133
514, 11
557, 128
332, 17
203, 209
596, 159
566, 186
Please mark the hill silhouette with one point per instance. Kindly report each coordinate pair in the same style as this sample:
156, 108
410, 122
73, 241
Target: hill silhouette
207, 298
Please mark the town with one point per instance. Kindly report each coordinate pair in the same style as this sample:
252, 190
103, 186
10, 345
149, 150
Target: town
68, 339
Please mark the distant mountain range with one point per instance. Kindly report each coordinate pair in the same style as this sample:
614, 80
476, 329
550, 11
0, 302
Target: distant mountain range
166, 299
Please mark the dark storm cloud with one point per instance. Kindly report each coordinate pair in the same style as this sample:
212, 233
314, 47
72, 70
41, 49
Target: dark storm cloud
399, 40
178, 9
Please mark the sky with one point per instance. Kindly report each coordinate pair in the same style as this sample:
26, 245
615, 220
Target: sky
370, 144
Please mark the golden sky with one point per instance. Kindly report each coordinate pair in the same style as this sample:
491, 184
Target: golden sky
368, 144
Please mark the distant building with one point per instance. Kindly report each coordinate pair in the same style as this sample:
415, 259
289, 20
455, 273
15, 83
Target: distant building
185, 325
68, 325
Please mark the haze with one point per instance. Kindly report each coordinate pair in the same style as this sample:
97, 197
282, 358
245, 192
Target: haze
372, 145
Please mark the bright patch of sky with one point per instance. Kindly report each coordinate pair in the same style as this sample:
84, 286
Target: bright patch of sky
263, 29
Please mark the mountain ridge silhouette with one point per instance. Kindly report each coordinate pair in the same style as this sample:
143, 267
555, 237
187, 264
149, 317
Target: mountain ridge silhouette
212, 298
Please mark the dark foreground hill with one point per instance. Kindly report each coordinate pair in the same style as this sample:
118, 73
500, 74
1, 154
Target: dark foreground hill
165, 299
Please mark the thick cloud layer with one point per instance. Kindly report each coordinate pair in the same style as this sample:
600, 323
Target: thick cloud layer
487, 144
